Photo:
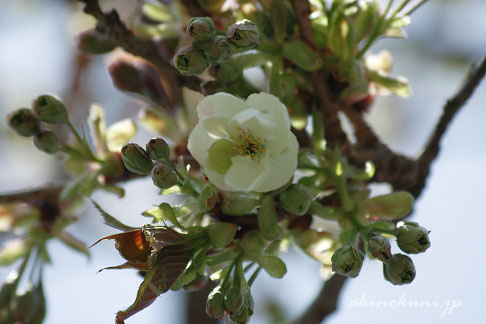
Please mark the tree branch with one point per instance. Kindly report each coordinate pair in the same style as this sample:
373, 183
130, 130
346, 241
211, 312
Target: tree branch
325, 303
335, 136
451, 109
149, 50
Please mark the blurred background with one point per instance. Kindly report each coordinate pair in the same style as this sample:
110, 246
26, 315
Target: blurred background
37, 56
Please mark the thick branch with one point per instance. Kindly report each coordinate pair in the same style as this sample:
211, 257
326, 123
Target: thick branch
332, 126
325, 303
451, 108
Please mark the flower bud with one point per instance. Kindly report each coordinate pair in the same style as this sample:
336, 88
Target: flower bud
46, 141
201, 29
125, 76
296, 199
243, 34
214, 305
347, 261
158, 149
412, 238
50, 109
233, 300
94, 42
136, 159
163, 175
380, 248
400, 270
29, 306
24, 122
190, 60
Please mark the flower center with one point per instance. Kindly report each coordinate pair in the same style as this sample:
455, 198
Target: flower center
248, 144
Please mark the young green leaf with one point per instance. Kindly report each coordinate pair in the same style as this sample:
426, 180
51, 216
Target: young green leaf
390, 206
273, 266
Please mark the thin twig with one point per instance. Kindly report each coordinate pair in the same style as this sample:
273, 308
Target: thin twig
146, 49
325, 302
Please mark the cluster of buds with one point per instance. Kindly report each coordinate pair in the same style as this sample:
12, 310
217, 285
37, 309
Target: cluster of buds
141, 161
398, 268
209, 45
235, 302
27, 122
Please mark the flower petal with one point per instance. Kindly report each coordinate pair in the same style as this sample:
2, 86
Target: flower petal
199, 143
221, 104
270, 105
282, 166
246, 174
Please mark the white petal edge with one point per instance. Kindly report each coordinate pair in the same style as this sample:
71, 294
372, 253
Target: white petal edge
271, 105
221, 104
282, 167
199, 143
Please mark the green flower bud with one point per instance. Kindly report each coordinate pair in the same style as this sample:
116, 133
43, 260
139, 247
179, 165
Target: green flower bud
94, 42
136, 159
50, 109
215, 304
46, 141
220, 47
296, 199
233, 300
201, 29
347, 261
190, 60
243, 34
400, 270
24, 122
29, 306
163, 175
158, 149
412, 238
380, 248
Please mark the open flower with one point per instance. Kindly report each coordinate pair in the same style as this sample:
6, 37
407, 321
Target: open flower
244, 146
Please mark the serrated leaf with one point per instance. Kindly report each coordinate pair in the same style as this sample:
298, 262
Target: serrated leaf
273, 266
119, 134
191, 270
302, 55
221, 234
268, 218
112, 221
162, 236
144, 266
132, 245
390, 206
